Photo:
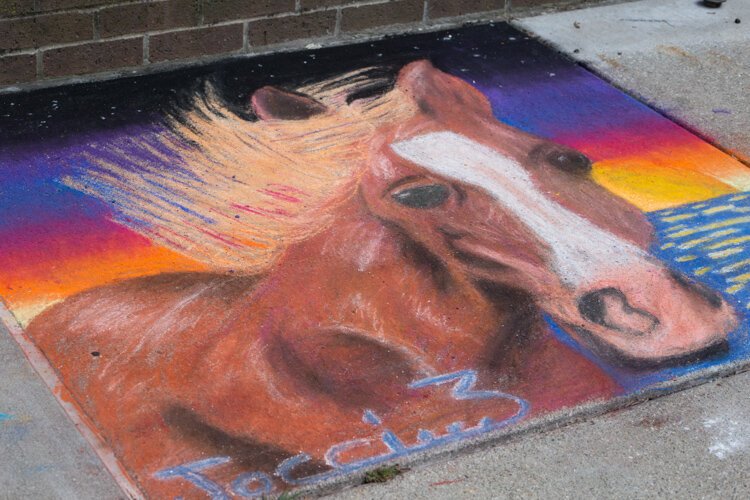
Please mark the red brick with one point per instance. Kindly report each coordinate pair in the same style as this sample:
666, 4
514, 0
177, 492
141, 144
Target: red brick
45, 30
284, 29
17, 69
215, 11
93, 57
450, 8
10, 8
152, 16
195, 42
383, 14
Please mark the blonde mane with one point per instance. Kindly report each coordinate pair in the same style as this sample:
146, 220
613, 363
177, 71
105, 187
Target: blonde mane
234, 193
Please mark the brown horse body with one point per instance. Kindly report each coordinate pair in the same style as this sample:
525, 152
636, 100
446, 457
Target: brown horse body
417, 275
297, 365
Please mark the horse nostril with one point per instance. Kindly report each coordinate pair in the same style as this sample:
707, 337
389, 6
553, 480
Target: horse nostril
712, 297
591, 306
610, 308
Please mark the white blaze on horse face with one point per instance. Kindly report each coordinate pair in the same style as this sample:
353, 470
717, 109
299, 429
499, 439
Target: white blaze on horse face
582, 251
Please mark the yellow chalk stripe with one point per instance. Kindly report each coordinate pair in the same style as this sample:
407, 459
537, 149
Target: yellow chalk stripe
723, 232
739, 197
724, 253
701, 271
675, 218
667, 245
735, 288
709, 237
697, 241
699, 206
740, 278
732, 267
664, 180
728, 242
686, 258
708, 227
721, 208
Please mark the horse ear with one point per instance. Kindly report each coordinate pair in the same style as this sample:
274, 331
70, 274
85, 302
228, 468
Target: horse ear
270, 103
434, 90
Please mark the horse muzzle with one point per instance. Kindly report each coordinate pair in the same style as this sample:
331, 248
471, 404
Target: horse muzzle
652, 317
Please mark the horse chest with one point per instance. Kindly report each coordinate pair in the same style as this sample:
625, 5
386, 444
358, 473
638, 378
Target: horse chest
367, 283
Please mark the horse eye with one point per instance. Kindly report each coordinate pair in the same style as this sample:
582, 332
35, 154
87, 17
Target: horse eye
570, 161
430, 196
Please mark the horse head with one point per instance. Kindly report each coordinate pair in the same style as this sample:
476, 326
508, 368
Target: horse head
496, 204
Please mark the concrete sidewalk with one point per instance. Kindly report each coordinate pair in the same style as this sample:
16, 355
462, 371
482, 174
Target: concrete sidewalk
44, 456
692, 64
693, 444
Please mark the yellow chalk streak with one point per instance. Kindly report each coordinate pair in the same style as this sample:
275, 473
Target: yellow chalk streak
697, 241
686, 258
740, 278
701, 271
25, 314
675, 218
724, 253
667, 245
739, 197
735, 288
723, 232
668, 177
732, 267
728, 242
709, 237
708, 227
721, 208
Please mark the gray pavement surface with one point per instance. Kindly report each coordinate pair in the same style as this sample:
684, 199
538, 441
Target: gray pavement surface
43, 454
692, 444
688, 61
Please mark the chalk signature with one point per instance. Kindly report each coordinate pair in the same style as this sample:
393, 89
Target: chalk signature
256, 484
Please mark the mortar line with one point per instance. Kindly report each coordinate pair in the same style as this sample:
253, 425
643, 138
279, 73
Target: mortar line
246, 36
337, 26
39, 64
146, 50
75, 10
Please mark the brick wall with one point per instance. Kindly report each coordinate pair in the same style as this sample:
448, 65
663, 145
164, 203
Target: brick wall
50, 39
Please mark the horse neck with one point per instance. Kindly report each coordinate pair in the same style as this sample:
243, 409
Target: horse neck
360, 262
352, 239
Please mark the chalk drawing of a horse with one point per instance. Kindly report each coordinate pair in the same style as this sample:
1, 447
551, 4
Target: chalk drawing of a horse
359, 235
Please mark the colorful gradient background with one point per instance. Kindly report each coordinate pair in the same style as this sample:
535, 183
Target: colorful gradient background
55, 241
